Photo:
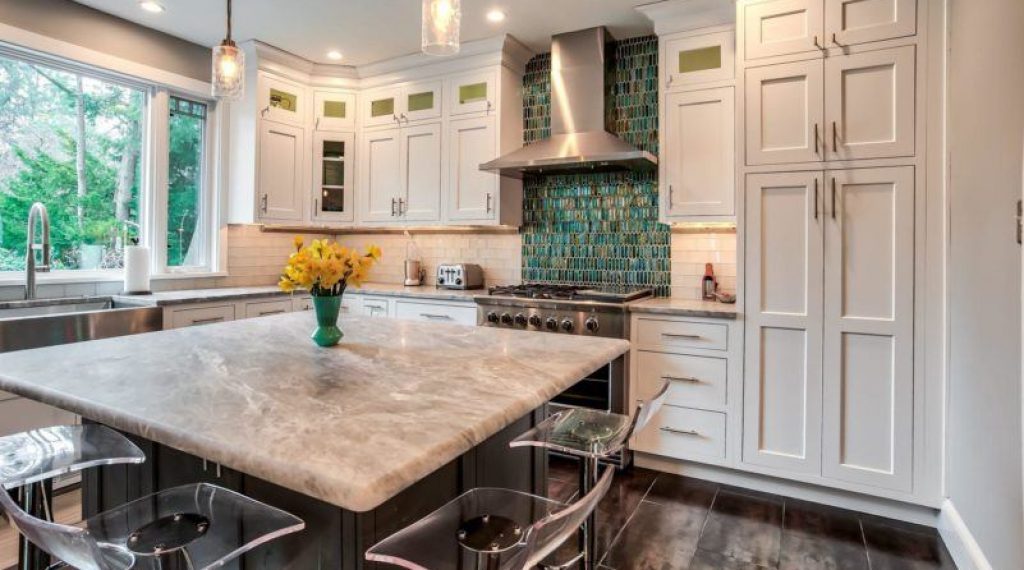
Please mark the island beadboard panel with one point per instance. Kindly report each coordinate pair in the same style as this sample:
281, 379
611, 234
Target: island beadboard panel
598, 229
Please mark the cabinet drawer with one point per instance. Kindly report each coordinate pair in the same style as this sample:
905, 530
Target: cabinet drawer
267, 308
465, 315
373, 307
674, 335
684, 433
202, 316
698, 381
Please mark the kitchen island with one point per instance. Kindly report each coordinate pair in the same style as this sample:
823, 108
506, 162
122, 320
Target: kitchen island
359, 440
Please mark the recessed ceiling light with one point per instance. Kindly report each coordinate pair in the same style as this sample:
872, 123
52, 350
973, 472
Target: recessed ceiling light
334, 55
496, 16
150, 6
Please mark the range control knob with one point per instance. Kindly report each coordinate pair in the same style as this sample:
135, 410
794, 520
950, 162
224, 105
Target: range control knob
492, 318
520, 320
567, 325
592, 324
551, 324
506, 319
535, 321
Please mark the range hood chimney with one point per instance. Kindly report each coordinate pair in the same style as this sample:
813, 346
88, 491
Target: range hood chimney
579, 141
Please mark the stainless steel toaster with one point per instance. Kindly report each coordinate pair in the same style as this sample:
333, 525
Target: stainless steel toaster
460, 276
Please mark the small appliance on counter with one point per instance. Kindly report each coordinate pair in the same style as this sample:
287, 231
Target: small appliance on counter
460, 276
414, 273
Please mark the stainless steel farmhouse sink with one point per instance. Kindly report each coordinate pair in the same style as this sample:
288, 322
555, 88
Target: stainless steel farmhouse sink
48, 322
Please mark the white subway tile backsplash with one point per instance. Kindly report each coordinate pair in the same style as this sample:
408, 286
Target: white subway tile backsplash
689, 254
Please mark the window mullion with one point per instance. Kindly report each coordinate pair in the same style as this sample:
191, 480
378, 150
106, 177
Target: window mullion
156, 202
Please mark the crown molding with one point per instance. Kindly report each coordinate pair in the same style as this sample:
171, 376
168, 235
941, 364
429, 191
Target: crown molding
671, 16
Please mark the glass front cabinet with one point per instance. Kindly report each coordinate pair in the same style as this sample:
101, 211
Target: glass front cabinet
333, 169
334, 111
695, 59
282, 101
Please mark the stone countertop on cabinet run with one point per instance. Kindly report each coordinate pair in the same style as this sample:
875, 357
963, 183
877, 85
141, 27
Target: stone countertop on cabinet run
352, 425
194, 296
684, 308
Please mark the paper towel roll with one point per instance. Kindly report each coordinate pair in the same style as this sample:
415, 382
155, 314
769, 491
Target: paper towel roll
136, 269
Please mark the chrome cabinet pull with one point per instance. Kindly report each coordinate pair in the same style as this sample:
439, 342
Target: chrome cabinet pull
686, 336
393, 202
207, 321
436, 317
401, 206
671, 196
274, 312
263, 203
835, 41
817, 44
316, 127
817, 139
689, 379
316, 206
815, 198
678, 431
488, 202
263, 113
833, 197
835, 136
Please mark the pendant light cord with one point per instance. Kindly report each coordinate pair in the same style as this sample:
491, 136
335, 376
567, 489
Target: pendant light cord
229, 19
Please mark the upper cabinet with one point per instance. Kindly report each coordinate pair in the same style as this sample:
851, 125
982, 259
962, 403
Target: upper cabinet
281, 100
789, 27
784, 113
333, 176
281, 181
402, 104
472, 93
381, 107
698, 156
698, 59
472, 191
334, 110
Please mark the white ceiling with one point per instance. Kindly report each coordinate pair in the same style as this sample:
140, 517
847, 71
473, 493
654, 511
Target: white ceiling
367, 31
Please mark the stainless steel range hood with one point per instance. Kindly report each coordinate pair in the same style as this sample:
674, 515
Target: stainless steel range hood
578, 140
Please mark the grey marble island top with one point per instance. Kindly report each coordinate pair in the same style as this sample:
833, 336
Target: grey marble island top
353, 425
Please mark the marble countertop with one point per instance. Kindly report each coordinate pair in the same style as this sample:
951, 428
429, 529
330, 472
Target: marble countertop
191, 296
353, 425
684, 308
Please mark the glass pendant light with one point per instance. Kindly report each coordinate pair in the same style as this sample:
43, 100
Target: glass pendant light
441, 22
228, 67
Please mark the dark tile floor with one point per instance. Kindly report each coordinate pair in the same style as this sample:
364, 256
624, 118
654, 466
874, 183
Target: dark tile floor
657, 521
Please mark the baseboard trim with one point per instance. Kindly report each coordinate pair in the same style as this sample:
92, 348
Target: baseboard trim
959, 541
888, 508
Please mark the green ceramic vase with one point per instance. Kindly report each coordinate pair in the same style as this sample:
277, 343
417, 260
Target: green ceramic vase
327, 332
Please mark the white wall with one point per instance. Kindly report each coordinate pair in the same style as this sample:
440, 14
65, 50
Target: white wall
985, 134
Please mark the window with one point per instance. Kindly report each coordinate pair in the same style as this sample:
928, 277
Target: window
82, 142
74, 143
185, 184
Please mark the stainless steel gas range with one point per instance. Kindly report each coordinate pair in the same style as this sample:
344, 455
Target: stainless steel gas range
564, 309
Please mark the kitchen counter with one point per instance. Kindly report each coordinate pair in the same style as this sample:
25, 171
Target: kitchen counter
684, 308
352, 426
194, 296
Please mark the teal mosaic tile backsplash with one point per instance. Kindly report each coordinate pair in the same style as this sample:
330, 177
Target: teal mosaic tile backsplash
602, 228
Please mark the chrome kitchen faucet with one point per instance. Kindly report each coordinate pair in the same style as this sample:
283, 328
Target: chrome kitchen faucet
38, 210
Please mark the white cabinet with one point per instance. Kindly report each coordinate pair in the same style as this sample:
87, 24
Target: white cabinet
868, 327
380, 107
869, 104
814, 27
380, 176
784, 113
200, 315
420, 195
375, 307
849, 22
421, 101
784, 289
781, 27
281, 172
281, 100
471, 192
257, 309
694, 59
334, 110
472, 93
333, 176
829, 379
436, 312
698, 156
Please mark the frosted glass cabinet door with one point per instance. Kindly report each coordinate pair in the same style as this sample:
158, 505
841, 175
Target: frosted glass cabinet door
782, 400
282, 101
334, 111
868, 338
849, 22
282, 167
472, 93
699, 59
784, 113
699, 155
381, 107
869, 104
421, 101
782, 27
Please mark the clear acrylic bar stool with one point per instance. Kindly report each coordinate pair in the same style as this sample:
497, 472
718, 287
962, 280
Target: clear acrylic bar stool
195, 527
489, 529
590, 435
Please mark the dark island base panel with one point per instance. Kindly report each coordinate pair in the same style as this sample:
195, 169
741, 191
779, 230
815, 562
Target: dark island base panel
334, 538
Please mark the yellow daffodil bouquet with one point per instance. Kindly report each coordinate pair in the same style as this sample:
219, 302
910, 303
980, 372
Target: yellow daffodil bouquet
325, 268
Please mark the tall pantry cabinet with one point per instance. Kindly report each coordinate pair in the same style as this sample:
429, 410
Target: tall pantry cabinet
831, 175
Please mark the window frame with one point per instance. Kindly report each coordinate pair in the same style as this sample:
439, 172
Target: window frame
154, 149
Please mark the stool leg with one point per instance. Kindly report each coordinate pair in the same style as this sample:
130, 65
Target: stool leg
35, 500
588, 532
